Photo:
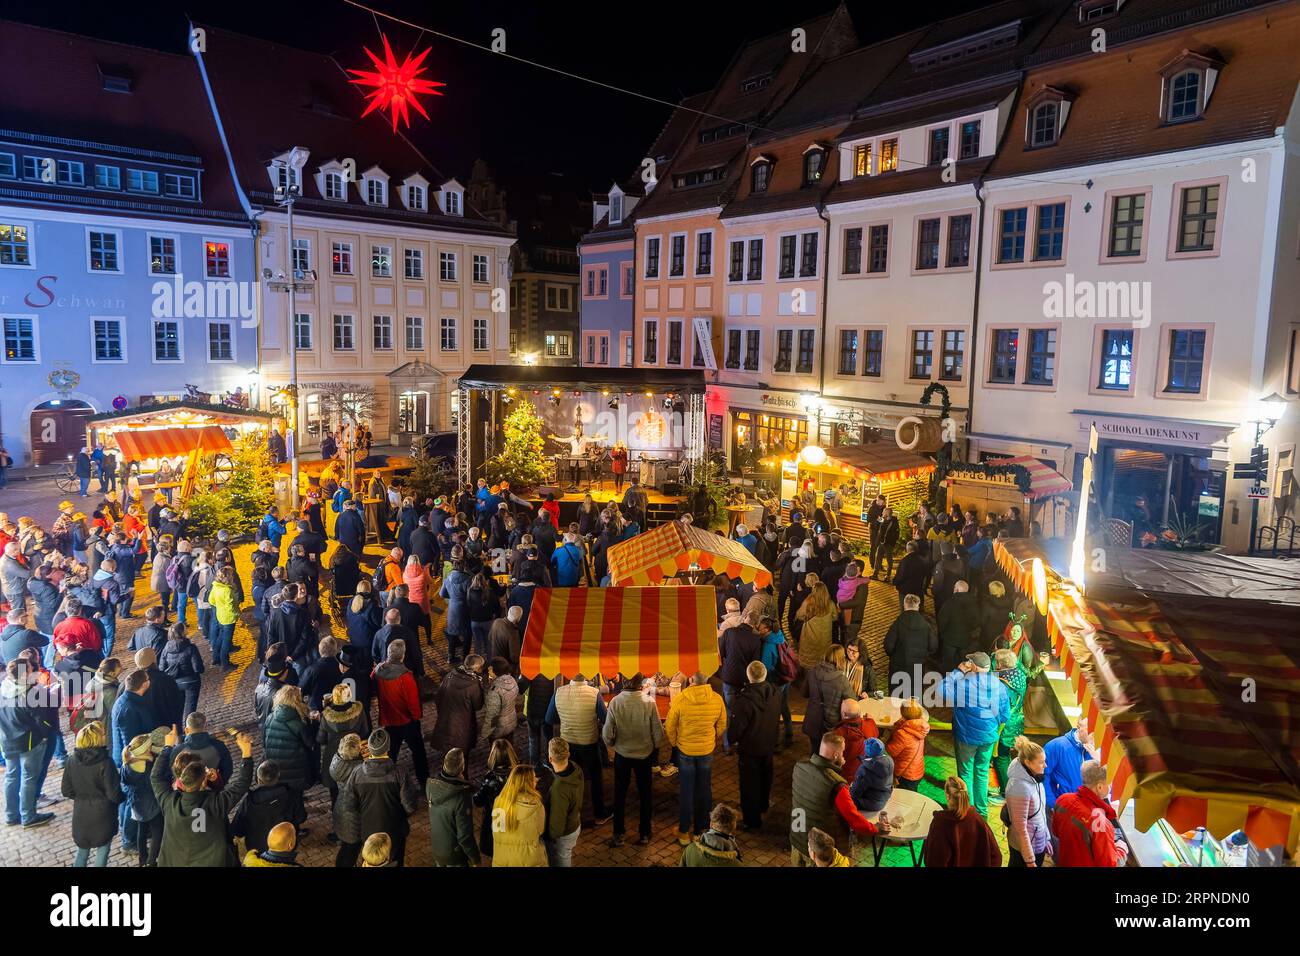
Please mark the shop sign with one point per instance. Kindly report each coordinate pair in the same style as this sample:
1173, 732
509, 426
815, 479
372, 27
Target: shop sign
870, 491
1189, 434
1009, 478
1257, 490
779, 401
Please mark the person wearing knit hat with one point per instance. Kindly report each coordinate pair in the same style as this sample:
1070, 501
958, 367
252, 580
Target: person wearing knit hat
377, 797
378, 742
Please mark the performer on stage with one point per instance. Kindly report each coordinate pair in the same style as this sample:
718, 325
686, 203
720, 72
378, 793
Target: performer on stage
618, 458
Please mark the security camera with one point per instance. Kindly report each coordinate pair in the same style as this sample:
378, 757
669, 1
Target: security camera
266, 273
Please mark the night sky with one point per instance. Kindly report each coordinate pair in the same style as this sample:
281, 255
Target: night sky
514, 115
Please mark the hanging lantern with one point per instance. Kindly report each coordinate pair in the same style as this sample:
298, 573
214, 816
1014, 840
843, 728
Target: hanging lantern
397, 87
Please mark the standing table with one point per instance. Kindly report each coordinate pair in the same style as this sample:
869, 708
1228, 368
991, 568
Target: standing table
910, 815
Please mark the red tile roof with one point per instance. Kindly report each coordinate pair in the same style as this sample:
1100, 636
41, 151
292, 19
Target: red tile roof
1115, 114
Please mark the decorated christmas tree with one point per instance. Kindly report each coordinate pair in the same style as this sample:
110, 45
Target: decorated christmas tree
521, 461
237, 504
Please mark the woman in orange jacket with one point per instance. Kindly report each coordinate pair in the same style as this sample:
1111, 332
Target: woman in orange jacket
907, 745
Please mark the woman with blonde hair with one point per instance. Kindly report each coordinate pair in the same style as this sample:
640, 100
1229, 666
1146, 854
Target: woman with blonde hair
817, 616
828, 688
501, 761
959, 837
91, 782
377, 851
519, 819
290, 740
1029, 838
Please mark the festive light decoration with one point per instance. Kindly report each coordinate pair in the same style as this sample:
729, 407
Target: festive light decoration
396, 86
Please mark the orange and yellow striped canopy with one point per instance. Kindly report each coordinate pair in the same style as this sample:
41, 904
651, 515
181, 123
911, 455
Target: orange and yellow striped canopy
614, 631
1163, 690
145, 443
672, 547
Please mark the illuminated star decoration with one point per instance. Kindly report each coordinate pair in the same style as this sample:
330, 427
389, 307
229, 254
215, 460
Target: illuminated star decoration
396, 86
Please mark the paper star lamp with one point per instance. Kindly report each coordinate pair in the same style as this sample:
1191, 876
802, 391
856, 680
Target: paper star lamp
396, 87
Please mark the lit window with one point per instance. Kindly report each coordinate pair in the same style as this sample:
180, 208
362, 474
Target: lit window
216, 259
162, 255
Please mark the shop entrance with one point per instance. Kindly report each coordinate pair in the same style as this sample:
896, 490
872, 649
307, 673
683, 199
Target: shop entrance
758, 435
1157, 489
58, 430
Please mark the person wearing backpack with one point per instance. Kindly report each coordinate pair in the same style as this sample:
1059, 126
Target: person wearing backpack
271, 528
782, 665
158, 580
178, 572
568, 562
181, 660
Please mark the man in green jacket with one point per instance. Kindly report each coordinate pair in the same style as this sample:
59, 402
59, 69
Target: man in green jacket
563, 804
451, 814
716, 846
195, 818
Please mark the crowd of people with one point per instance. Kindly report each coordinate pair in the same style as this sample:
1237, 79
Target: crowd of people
343, 681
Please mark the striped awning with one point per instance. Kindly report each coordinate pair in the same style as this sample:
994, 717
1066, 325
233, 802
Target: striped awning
672, 547
619, 630
1044, 480
138, 445
1195, 707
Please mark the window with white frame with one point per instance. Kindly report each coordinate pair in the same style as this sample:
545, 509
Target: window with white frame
677, 256
107, 177
216, 259
743, 349
451, 202
447, 266
108, 334
807, 351
482, 341
167, 340
301, 256
179, 185
103, 248
38, 168
162, 255
873, 352
221, 341
650, 342
704, 253
952, 356
1198, 214
21, 339
382, 331
652, 258
376, 192
341, 258
852, 251
15, 244
968, 146
9, 166
783, 360
71, 173
415, 197
448, 342
344, 340
335, 186
414, 263
302, 336
415, 333
482, 273
1115, 366
558, 344
746, 260
1186, 351
1046, 243
381, 261
1127, 220
602, 281
676, 340
141, 181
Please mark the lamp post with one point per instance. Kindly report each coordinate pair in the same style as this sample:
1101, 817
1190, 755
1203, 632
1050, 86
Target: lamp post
1266, 413
285, 197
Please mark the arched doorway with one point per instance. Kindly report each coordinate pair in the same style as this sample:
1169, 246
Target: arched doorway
58, 429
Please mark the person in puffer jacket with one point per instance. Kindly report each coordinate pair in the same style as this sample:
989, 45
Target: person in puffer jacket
873, 784
346, 822
340, 716
717, 845
498, 718
1029, 839
906, 745
181, 660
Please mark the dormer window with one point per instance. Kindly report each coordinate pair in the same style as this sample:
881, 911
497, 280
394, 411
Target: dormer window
1188, 81
814, 164
1185, 96
762, 175
451, 203
1090, 11
376, 192
1042, 127
451, 196
415, 198
335, 188
1046, 114
615, 208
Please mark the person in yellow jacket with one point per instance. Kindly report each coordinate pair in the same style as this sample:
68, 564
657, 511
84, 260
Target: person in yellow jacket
281, 848
226, 608
822, 846
518, 821
696, 721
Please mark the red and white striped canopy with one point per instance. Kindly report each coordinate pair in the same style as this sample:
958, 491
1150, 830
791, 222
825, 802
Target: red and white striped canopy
1044, 480
142, 444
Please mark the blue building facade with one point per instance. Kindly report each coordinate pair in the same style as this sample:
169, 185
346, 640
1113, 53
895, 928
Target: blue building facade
127, 267
607, 284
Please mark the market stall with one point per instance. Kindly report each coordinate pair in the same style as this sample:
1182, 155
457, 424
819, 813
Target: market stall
1037, 489
1187, 668
620, 630
674, 547
858, 473
175, 445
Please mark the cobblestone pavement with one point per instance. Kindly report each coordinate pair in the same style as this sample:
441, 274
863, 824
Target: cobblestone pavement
227, 699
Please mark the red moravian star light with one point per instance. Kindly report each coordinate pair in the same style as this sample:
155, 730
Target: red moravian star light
396, 86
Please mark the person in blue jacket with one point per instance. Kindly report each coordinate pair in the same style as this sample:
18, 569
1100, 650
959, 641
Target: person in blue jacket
271, 527
1065, 758
81, 468
132, 716
980, 706
567, 562
747, 538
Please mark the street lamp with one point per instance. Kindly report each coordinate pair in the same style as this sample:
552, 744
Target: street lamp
1265, 413
285, 197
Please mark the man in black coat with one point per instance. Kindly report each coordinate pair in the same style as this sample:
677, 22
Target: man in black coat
737, 647
459, 699
350, 528
290, 624
17, 637
151, 633
959, 626
164, 696
380, 798
909, 641
884, 538
267, 805
393, 630
313, 544
754, 724
423, 544
911, 574
322, 675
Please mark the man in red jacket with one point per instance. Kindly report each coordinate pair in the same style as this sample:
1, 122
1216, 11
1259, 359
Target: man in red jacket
1084, 823
399, 707
76, 632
